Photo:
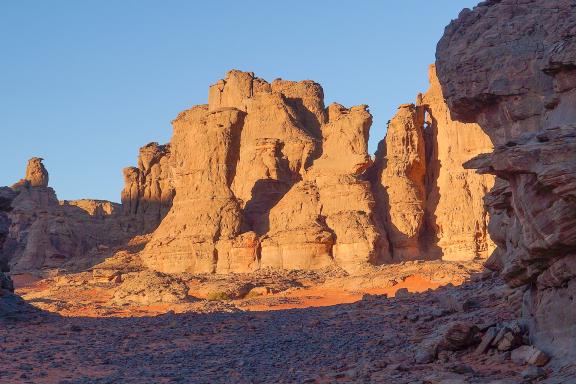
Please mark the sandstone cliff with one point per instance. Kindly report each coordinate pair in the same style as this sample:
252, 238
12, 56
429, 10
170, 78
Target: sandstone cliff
510, 67
431, 206
265, 175
273, 182
148, 191
46, 233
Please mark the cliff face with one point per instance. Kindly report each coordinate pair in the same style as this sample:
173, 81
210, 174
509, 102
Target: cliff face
455, 213
266, 176
148, 190
511, 67
431, 206
37, 231
273, 181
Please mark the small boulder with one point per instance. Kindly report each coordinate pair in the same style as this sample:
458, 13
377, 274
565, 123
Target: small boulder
402, 293
530, 355
458, 335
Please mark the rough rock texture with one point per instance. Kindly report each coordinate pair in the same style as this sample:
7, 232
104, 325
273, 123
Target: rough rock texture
46, 233
36, 174
147, 288
274, 181
6, 197
430, 205
455, 214
401, 159
205, 215
511, 67
148, 191
266, 176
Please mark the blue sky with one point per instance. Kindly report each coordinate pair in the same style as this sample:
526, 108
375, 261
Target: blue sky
84, 84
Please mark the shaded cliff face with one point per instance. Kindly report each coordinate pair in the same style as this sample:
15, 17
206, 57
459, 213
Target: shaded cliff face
511, 67
455, 213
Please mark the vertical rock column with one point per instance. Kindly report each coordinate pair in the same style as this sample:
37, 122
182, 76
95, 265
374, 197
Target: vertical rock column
204, 210
456, 219
400, 188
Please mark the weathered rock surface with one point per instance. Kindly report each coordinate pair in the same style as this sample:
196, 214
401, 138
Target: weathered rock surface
148, 191
46, 233
510, 67
273, 181
402, 159
455, 214
431, 206
147, 288
7, 195
266, 176
205, 216
36, 173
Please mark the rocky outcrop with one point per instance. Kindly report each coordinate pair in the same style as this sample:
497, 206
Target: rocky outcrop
456, 219
265, 175
401, 184
36, 174
511, 67
205, 216
46, 233
277, 180
148, 191
430, 205
7, 195
274, 181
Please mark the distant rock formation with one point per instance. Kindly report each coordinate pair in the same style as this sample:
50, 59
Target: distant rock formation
36, 174
431, 206
511, 67
265, 175
46, 233
148, 190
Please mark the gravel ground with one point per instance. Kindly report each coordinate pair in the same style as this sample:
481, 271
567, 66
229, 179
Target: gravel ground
375, 340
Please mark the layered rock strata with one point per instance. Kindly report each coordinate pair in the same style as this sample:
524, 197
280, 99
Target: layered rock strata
511, 67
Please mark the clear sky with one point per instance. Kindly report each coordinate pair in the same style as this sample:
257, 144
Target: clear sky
84, 84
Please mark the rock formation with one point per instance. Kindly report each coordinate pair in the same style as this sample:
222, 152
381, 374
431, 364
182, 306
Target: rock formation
46, 233
265, 175
455, 213
36, 174
277, 180
511, 67
431, 206
148, 191
401, 162
274, 181
6, 197
205, 216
